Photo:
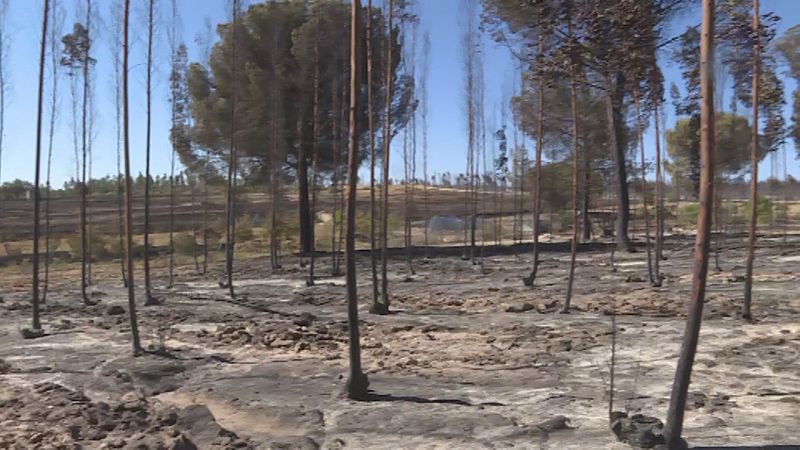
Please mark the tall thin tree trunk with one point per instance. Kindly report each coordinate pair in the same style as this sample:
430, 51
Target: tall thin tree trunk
36, 326
148, 292
206, 176
680, 387
640, 136
575, 176
426, 50
51, 135
230, 227
137, 348
172, 220
314, 151
383, 306
659, 200
84, 241
537, 183
372, 158
613, 99
335, 174
357, 383
751, 241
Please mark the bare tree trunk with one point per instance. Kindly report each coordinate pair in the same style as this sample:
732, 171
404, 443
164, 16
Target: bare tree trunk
372, 157
426, 52
618, 155
357, 383
36, 326
659, 200
53, 31
537, 184
383, 306
335, 175
751, 241
120, 182
84, 241
137, 348
575, 176
149, 299
230, 227
680, 387
314, 151
640, 136
206, 176
3, 83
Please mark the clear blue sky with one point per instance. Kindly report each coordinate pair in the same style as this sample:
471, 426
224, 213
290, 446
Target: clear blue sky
441, 18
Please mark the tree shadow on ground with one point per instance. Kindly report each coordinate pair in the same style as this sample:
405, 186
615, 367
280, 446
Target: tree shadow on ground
374, 397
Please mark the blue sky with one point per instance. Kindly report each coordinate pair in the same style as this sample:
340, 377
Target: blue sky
441, 18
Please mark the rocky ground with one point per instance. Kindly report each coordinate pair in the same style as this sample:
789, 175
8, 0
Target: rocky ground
467, 360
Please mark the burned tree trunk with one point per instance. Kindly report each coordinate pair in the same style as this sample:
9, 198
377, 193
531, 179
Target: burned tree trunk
537, 183
137, 348
575, 174
640, 136
36, 326
148, 292
357, 383
383, 306
680, 387
230, 203
751, 241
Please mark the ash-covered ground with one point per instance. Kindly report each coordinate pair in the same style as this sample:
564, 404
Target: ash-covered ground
466, 360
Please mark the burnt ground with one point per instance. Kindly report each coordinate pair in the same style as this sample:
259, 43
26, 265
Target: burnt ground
466, 360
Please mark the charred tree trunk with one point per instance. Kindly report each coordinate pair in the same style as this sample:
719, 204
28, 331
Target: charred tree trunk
751, 241
314, 153
137, 348
148, 291
230, 203
659, 200
680, 387
372, 158
640, 136
383, 306
537, 183
575, 177
84, 190
613, 97
357, 383
51, 136
36, 326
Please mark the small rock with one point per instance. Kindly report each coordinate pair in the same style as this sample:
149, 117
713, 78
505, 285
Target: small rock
304, 319
519, 309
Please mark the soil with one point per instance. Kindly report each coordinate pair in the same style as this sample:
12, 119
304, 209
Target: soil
465, 360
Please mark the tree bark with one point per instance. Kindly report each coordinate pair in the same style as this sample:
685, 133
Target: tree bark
659, 200
137, 348
357, 383
616, 145
230, 203
575, 178
640, 136
314, 152
383, 306
537, 183
751, 240
372, 158
680, 387
84, 242
36, 326
149, 300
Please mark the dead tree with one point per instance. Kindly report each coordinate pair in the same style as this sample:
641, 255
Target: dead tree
680, 387
751, 241
383, 306
372, 156
54, 29
573, 90
659, 200
357, 383
148, 293
36, 326
137, 348
314, 150
640, 136
426, 54
116, 49
537, 183
230, 203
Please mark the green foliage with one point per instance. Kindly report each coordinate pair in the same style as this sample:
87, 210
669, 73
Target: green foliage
763, 211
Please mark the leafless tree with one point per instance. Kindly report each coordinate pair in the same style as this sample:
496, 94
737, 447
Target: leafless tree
137, 348
751, 241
